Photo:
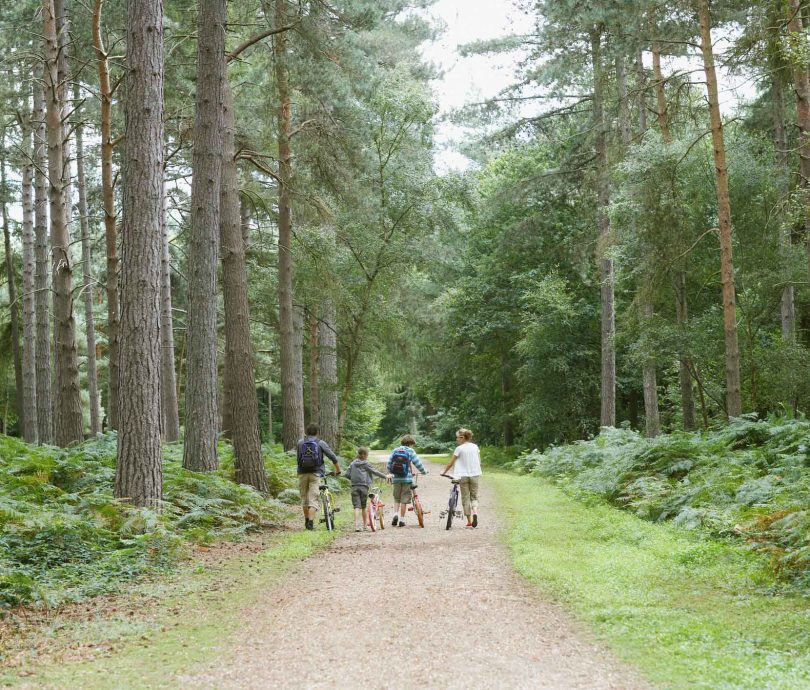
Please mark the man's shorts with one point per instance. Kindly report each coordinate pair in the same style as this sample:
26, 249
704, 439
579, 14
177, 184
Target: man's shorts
402, 493
308, 487
359, 496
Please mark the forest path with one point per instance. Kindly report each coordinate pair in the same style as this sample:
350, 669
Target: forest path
410, 607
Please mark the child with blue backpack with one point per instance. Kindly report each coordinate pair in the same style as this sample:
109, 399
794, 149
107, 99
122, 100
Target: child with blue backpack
400, 464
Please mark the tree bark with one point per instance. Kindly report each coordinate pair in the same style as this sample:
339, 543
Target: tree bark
240, 376
29, 364
42, 298
328, 374
14, 308
139, 473
88, 286
67, 413
733, 393
641, 87
292, 392
684, 364
660, 95
314, 396
608, 384
168, 377
110, 231
202, 419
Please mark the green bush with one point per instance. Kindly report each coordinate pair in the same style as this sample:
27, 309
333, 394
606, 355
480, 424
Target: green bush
64, 537
749, 480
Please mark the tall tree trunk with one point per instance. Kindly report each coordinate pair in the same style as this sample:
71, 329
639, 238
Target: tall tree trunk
240, 376
328, 374
29, 364
110, 231
641, 91
787, 303
139, 473
649, 376
314, 396
608, 386
292, 392
87, 280
14, 306
42, 281
801, 87
202, 423
67, 416
681, 311
733, 393
168, 378
298, 345
684, 364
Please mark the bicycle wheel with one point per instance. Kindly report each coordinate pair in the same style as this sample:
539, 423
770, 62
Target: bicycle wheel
451, 509
371, 515
381, 519
328, 517
417, 508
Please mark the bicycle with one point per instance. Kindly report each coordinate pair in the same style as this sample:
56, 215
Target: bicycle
452, 503
328, 503
374, 512
416, 504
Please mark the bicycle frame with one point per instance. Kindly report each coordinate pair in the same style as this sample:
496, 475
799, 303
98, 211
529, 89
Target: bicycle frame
375, 509
452, 502
328, 505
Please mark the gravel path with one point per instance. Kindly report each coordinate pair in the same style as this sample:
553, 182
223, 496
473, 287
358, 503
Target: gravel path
460, 616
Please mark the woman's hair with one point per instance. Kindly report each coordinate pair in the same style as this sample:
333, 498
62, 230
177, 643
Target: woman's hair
466, 433
362, 452
408, 440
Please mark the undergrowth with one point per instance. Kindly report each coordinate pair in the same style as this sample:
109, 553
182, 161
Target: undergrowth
63, 536
749, 480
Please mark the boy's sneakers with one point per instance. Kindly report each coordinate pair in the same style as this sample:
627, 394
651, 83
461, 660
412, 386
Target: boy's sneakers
469, 525
309, 524
358, 529
395, 521
402, 523
475, 520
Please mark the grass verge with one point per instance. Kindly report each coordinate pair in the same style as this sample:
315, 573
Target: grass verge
687, 610
186, 621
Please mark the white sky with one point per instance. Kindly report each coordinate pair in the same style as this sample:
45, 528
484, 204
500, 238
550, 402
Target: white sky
476, 78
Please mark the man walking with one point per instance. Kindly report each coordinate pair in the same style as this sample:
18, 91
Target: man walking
311, 450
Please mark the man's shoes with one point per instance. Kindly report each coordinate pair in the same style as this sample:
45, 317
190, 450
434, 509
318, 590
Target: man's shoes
475, 520
395, 521
309, 524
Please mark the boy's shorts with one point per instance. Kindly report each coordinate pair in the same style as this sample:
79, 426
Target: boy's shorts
309, 486
402, 493
359, 496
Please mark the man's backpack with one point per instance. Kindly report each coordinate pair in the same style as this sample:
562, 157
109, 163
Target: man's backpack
400, 460
309, 455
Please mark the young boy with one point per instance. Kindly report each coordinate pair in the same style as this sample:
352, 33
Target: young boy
359, 474
400, 464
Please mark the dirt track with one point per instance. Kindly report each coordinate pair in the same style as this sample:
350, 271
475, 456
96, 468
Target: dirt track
408, 608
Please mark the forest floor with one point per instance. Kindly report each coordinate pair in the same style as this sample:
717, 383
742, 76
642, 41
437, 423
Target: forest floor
398, 608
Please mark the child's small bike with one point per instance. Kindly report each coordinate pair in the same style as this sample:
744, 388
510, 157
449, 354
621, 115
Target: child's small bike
416, 504
328, 504
452, 503
374, 512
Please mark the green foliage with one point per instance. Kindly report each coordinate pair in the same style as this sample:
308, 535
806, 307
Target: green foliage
64, 537
749, 480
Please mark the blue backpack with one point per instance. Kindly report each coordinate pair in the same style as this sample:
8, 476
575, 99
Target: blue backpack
400, 461
309, 455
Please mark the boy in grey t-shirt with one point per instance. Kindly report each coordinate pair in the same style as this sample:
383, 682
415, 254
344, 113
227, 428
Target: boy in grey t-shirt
359, 474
